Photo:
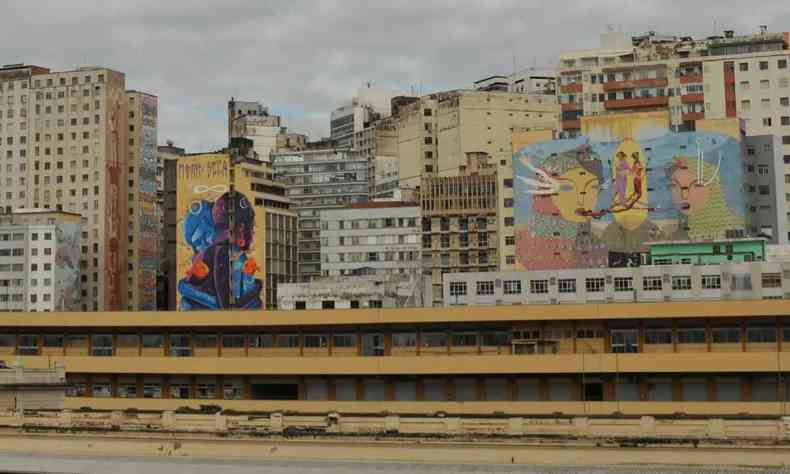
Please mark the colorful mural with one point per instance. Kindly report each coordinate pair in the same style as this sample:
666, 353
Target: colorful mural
67, 266
148, 249
217, 263
595, 200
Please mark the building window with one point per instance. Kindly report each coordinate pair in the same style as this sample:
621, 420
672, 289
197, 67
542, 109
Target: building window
435, 339
567, 285
485, 287
464, 339
658, 336
594, 285
623, 284
510, 259
691, 336
457, 288
427, 112
651, 283
101, 345
509, 222
344, 340
537, 287
772, 280
512, 287
682, 282
725, 335
781, 64
406, 339
743, 67
761, 334
711, 282
510, 240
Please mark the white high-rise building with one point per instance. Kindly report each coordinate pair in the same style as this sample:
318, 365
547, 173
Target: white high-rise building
77, 141
39, 261
253, 121
368, 105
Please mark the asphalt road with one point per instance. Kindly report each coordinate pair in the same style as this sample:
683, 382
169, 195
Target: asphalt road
18, 464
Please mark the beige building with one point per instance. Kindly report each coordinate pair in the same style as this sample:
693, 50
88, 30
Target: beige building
460, 231
279, 231
144, 216
66, 146
437, 131
253, 121
743, 76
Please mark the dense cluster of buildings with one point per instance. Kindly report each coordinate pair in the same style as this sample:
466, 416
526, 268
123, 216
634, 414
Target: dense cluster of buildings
649, 172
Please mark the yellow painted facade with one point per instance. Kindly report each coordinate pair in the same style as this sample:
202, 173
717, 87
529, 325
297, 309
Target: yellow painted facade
682, 355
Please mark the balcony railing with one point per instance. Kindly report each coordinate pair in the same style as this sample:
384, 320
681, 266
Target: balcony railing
631, 84
635, 102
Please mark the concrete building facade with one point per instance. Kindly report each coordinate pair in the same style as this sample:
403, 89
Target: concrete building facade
743, 76
356, 292
368, 105
526, 81
460, 230
145, 218
253, 121
66, 147
317, 180
766, 196
436, 132
672, 282
39, 261
371, 238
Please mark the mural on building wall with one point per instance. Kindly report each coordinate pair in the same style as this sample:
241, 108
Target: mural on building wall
117, 201
67, 266
148, 246
217, 263
595, 200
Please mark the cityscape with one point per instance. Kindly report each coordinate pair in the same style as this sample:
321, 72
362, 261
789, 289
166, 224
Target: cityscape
596, 250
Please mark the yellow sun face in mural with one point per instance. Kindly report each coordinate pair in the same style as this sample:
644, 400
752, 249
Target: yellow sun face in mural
629, 185
578, 191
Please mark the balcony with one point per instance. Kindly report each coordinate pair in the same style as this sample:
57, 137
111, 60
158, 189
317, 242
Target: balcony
571, 124
692, 98
691, 79
637, 102
571, 106
574, 88
689, 116
622, 85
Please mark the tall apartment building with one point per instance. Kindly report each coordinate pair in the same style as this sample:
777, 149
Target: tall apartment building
459, 223
368, 105
317, 180
371, 238
766, 205
145, 222
39, 261
527, 81
253, 121
66, 146
436, 132
275, 239
726, 76
280, 230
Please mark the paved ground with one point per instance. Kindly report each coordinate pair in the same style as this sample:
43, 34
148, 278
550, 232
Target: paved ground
148, 465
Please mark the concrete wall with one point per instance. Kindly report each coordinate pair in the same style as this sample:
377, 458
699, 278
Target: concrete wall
347, 420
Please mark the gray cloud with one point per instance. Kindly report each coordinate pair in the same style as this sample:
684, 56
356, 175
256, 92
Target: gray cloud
305, 58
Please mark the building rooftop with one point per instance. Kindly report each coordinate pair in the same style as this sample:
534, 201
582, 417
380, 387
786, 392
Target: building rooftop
706, 241
381, 204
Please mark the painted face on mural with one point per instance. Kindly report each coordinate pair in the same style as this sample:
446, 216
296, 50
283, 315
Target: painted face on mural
576, 195
688, 195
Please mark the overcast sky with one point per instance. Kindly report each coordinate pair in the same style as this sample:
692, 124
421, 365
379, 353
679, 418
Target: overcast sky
304, 58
